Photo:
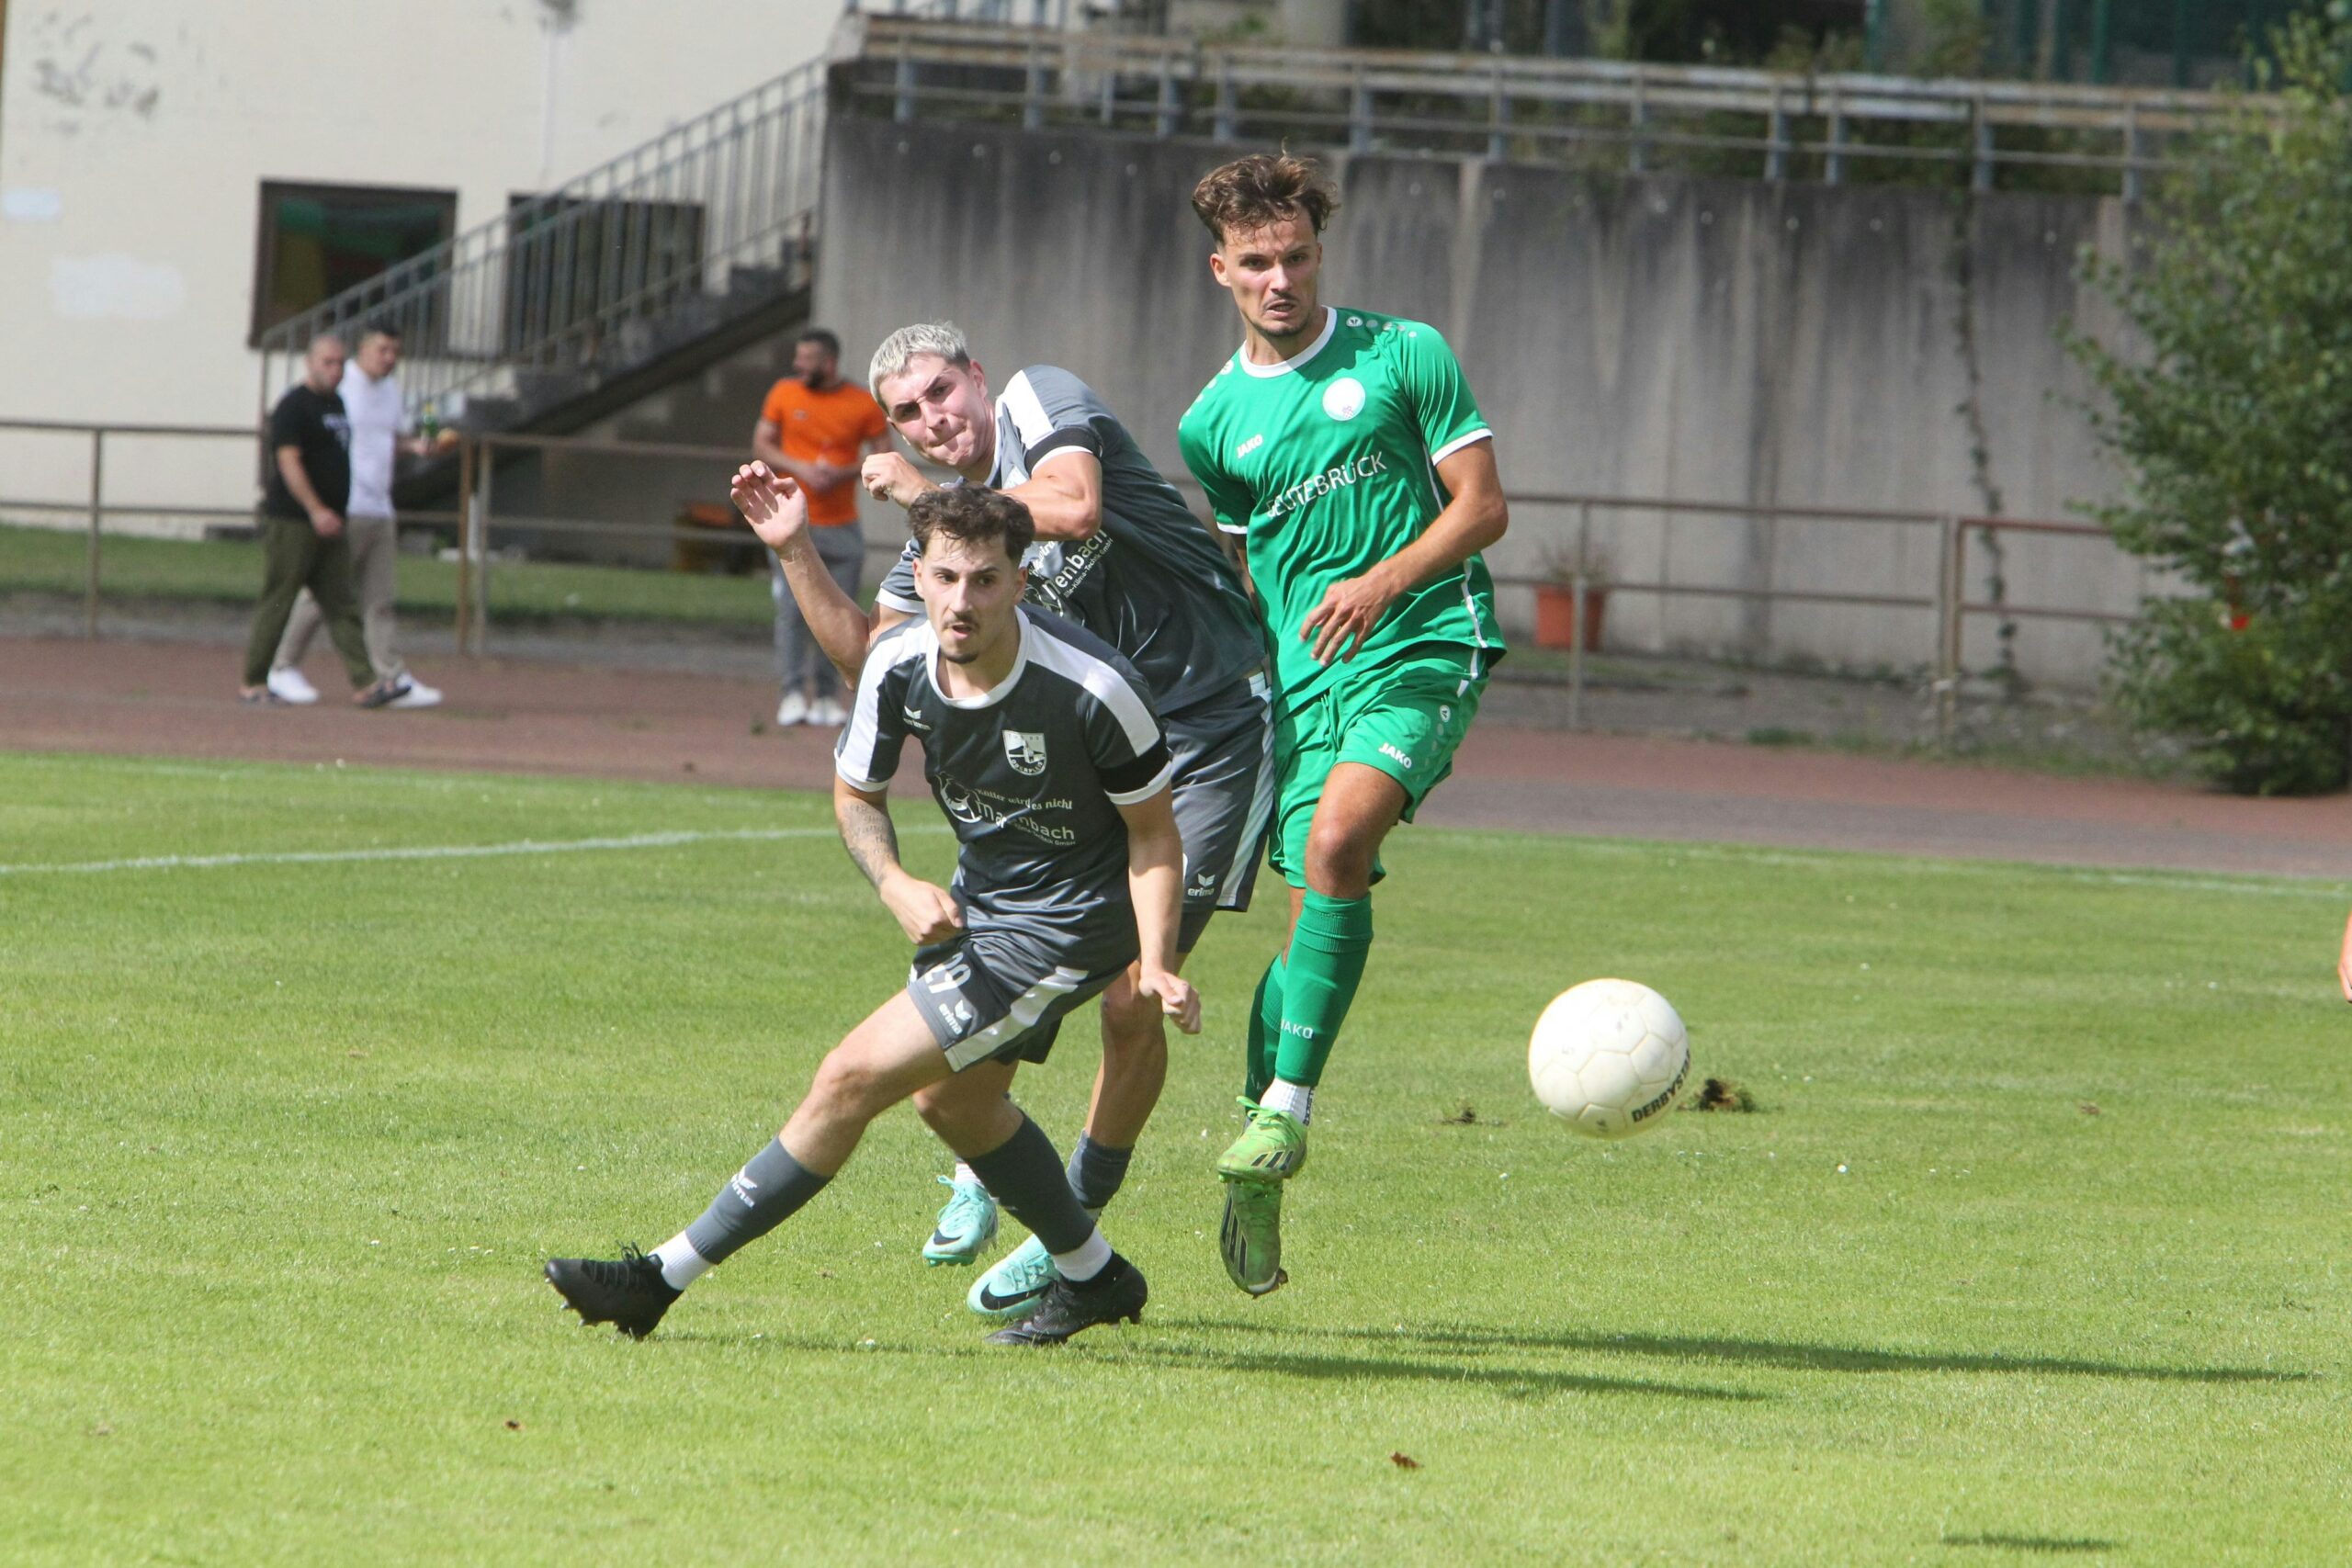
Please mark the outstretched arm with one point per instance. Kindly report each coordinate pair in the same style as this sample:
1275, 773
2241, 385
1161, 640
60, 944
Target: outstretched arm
1474, 519
778, 514
925, 911
1064, 495
1156, 883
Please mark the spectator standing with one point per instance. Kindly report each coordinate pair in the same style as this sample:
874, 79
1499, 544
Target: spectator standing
303, 540
372, 406
817, 429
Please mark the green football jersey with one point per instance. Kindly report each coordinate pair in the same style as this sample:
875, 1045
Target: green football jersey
1325, 465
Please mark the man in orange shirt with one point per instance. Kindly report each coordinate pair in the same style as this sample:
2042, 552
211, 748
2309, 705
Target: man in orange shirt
818, 429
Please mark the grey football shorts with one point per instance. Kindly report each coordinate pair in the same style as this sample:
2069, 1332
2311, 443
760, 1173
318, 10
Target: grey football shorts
1222, 790
997, 994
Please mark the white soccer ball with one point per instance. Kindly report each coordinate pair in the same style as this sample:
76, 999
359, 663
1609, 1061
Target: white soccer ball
1609, 1057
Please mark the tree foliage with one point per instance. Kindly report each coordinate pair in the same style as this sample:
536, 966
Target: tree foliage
2232, 419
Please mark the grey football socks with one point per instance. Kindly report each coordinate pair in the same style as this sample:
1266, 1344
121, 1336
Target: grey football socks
768, 1190
1096, 1173
1024, 1174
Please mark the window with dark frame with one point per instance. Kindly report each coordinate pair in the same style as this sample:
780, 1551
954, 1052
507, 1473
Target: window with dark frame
317, 241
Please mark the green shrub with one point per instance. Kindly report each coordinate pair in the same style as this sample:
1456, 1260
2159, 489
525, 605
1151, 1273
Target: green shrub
2232, 419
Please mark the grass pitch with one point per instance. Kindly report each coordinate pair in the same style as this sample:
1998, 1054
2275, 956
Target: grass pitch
2033, 1247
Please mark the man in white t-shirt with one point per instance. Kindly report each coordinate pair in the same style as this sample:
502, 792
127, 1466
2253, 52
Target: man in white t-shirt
371, 402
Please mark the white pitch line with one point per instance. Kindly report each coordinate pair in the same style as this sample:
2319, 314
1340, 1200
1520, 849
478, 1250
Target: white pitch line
435, 851
2250, 883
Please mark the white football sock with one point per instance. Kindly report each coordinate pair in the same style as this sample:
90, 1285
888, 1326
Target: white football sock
964, 1173
681, 1264
1295, 1098
1092, 1253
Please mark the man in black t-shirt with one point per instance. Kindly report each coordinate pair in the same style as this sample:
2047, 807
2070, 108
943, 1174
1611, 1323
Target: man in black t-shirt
303, 543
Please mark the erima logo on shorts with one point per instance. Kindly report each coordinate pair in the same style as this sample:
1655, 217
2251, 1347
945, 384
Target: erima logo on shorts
1388, 750
1026, 750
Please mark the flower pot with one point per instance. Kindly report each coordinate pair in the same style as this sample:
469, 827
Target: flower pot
1556, 617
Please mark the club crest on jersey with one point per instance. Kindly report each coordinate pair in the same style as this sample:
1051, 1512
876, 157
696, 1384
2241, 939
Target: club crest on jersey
1026, 750
1343, 399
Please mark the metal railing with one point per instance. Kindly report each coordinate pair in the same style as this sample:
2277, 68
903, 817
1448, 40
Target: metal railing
1945, 605
1949, 600
993, 13
1774, 125
706, 223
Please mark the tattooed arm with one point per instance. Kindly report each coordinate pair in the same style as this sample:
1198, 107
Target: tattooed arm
925, 911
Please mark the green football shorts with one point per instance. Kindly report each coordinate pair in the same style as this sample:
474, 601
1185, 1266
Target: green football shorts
1404, 716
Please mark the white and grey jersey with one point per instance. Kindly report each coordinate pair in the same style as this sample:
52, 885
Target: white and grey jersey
1031, 775
1151, 583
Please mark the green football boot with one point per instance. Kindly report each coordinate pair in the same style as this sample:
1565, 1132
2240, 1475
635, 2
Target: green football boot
1251, 1239
1274, 1148
966, 1224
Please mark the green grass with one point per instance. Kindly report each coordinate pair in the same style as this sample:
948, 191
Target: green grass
49, 561
282, 1144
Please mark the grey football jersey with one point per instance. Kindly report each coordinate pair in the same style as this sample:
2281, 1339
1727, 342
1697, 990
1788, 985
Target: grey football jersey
1031, 775
1151, 583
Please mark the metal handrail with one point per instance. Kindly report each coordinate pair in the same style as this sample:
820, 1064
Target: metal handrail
1950, 604
1515, 105
700, 225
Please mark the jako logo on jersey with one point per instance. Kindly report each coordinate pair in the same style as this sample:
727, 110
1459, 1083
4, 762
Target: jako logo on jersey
1388, 750
1324, 483
1249, 446
1026, 750
1343, 399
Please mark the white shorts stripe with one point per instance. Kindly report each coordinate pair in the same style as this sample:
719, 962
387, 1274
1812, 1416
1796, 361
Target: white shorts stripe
1261, 800
1026, 1009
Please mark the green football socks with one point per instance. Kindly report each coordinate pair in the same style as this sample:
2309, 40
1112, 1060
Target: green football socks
1265, 1028
1327, 947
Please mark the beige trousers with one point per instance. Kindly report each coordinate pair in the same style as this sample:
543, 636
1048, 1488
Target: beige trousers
375, 555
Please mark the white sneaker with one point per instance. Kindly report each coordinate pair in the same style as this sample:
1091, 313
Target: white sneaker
793, 710
418, 696
292, 686
826, 713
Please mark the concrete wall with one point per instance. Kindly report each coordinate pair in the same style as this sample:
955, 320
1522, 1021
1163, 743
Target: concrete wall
1801, 345
135, 136
716, 407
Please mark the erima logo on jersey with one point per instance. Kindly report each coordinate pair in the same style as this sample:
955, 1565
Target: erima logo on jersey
1248, 447
1026, 750
1324, 483
914, 720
